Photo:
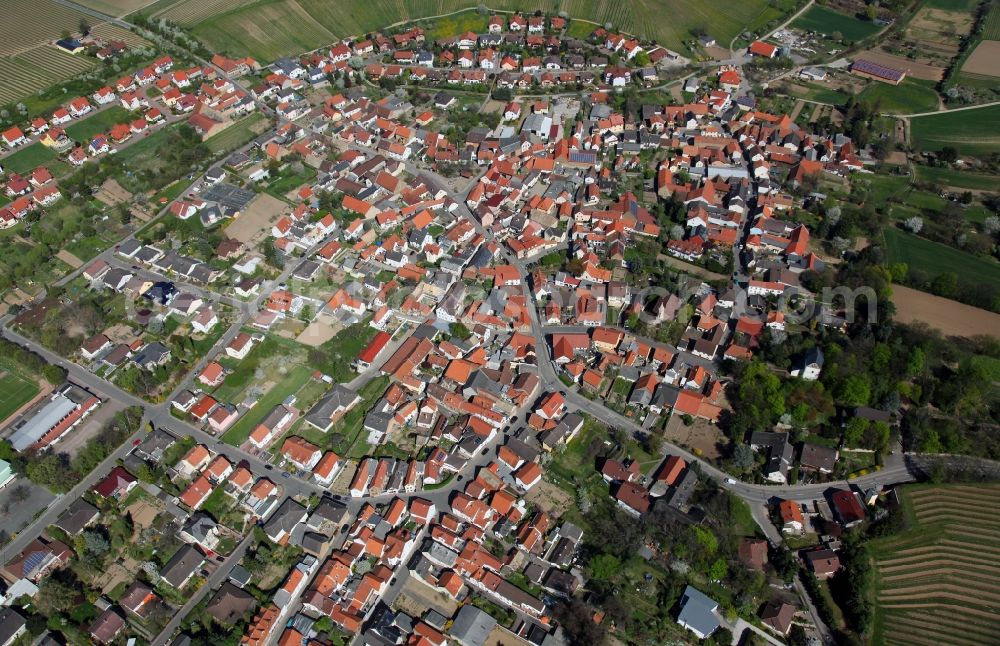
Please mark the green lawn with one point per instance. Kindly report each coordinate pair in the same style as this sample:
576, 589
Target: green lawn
260, 357
31, 157
98, 123
217, 504
346, 437
289, 385
236, 135
958, 178
816, 92
144, 147
457, 25
936, 258
971, 132
15, 391
827, 21
581, 30
908, 97
170, 193
288, 181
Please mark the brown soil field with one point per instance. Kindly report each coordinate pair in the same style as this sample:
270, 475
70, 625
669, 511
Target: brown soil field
985, 59
418, 596
951, 317
797, 109
255, 223
143, 513
915, 68
942, 21
321, 330
700, 436
69, 259
112, 193
550, 498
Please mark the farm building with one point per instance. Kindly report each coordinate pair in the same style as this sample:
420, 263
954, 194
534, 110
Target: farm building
868, 69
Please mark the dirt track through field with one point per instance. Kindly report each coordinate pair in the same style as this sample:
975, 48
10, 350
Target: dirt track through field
951, 317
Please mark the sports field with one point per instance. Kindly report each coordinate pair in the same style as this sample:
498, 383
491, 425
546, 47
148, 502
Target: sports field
936, 258
267, 29
827, 21
936, 583
971, 132
15, 391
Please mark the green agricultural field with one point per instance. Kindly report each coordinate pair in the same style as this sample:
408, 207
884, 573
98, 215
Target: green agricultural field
937, 579
268, 29
815, 92
935, 258
971, 132
910, 96
959, 178
991, 24
953, 5
98, 123
827, 21
15, 391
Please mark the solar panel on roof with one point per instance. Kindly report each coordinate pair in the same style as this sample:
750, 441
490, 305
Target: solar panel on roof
870, 67
32, 562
